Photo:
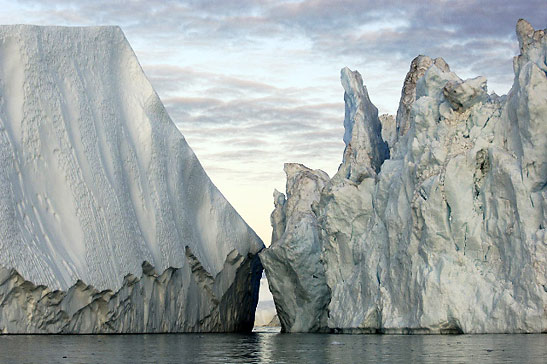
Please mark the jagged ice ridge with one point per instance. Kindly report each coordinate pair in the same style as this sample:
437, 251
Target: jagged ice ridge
442, 229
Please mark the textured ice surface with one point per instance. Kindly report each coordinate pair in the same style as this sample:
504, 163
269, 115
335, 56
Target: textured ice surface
443, 234
295, 274
96, 179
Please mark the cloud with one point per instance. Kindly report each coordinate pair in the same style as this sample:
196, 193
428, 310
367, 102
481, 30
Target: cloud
365, 32
248, 129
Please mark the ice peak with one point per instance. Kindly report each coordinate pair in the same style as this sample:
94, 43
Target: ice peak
365, 149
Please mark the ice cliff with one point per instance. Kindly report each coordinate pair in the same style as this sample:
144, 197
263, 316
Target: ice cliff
442, 230
108, 222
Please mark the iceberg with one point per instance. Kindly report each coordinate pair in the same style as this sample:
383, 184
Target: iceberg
108, 222
436, 219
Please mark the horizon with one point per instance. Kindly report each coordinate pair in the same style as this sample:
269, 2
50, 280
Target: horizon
259, 86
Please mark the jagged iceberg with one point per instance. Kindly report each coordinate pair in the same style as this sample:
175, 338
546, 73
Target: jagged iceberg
440, 230
108, 222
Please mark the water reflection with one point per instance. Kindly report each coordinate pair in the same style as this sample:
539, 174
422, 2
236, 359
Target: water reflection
272, 347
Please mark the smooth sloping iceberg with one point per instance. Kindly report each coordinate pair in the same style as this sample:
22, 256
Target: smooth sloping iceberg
444, 231
108, 222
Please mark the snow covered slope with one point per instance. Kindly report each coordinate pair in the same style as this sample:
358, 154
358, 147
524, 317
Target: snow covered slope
95, 180
445, 233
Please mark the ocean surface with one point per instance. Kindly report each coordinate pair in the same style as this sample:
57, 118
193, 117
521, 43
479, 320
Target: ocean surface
269, 346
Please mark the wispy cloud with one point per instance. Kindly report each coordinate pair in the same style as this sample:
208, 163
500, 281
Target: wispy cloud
249, 122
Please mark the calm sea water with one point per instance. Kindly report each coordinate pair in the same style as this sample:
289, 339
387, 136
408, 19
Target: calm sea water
273, 347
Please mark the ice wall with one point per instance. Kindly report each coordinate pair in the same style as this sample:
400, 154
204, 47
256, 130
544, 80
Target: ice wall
95, 180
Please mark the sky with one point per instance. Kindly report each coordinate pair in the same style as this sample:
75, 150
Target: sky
255, 84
